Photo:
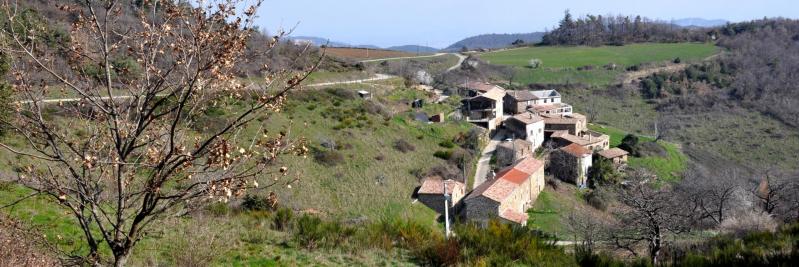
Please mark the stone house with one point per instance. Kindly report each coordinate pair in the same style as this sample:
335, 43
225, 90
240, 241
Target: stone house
552, 109
616, 155
484, 109
510, 152
574, 123
588, 139
527, 126
571, 163
473, 88
509, 195
519, 101
431, 193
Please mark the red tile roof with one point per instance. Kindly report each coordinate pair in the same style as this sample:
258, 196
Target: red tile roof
480, 86
514, 216
613, 153
435, 186
529, 165
576, 150
508, 180
528, 118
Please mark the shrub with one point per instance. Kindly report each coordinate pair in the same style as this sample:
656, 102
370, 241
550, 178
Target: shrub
312, 232
443, 154
677, 60
257, 203
630, 144
535, 63
282, 219
747, 222
403, 146
602, 172
599, 199
447, 144
329, 158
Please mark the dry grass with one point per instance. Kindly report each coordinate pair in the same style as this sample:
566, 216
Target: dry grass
20, 247
363, 53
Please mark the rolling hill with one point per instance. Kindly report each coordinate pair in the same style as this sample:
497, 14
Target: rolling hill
494, 40
414, 49
700, 22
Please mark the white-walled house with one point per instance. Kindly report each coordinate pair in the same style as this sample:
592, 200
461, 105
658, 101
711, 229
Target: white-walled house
519, 101
527, 126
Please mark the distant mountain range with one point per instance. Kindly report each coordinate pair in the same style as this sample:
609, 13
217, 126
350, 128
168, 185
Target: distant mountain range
319, 41
489, 41
494, 40
700, 22
414, 49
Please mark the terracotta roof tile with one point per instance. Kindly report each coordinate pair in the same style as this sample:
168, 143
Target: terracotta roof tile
514, 216
576, 150
480, 86
613, 153
435, 185
528, 118
529, 165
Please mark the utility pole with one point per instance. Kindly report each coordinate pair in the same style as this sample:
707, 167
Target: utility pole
446, 209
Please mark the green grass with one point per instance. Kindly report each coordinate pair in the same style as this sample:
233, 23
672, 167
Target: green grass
598, 77
546, 213
616, 134
560, 63
573, 57
668, 168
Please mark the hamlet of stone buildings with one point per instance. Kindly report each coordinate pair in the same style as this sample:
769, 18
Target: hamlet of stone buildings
522, 124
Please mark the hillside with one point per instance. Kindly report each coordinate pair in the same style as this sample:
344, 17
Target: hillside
492, 41
700, 22
413, 49
595, 66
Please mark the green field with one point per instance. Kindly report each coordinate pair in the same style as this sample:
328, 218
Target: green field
668, 168
573, 57
560, 63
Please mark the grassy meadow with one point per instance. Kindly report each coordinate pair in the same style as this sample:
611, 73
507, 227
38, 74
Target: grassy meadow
560, 63
627, 55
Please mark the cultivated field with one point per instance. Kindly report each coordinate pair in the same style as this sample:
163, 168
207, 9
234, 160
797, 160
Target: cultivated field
363, 53
581, 64
573, 57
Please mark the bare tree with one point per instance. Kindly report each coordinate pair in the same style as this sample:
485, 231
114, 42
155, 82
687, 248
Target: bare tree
586, 230
777, 195
711, 195
129, 152
648, 215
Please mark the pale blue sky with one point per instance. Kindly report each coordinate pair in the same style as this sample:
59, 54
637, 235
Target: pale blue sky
439, 23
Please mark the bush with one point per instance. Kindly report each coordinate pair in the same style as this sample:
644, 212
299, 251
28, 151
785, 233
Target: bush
602, 172
599, 199
630, 144
403, 146
535, 63
257, 203
747, 222
677, 60
282, 219
445, 155
312, 232
329, 158
447, 144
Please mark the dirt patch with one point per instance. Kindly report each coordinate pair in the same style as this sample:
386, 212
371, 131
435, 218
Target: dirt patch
363, 53
20, 247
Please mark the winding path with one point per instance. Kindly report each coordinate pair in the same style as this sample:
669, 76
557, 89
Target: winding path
483, 164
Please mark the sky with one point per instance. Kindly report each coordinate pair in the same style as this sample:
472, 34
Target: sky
439, 23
